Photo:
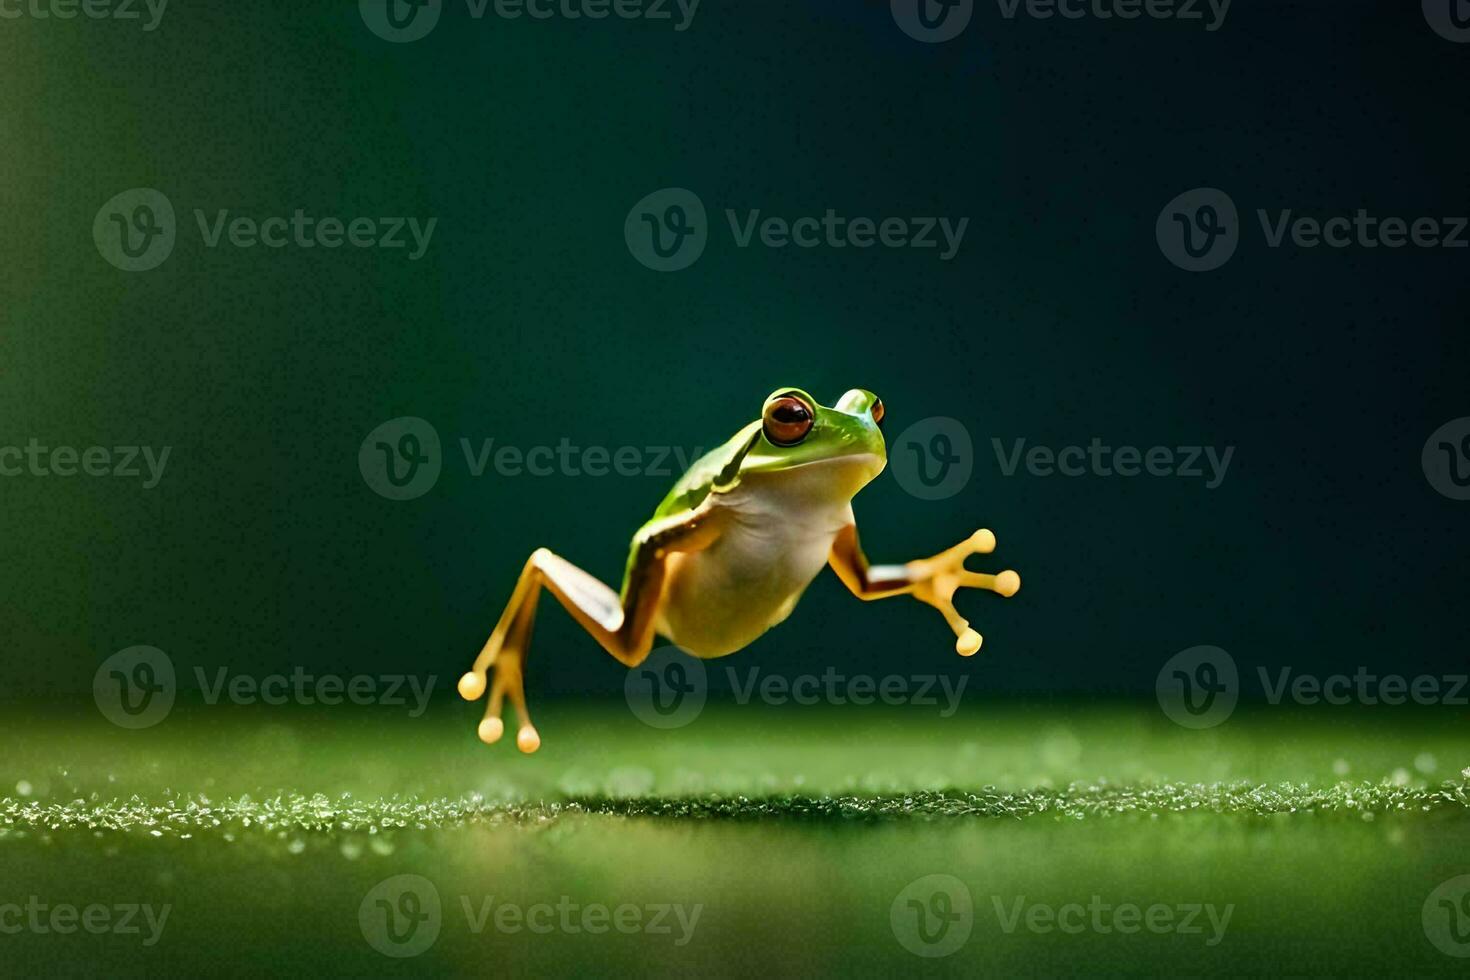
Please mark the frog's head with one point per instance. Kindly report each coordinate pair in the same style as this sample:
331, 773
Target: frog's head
796, 434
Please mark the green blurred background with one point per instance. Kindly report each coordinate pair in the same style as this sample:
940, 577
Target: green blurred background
528, 322
265, 548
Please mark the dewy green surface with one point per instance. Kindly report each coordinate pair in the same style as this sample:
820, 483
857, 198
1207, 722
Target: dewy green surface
1321, 835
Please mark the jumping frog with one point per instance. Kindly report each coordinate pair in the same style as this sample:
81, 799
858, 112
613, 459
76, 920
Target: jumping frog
730, 550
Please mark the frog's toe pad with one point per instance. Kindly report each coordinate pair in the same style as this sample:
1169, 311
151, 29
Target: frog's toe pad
968, 643
527, 739
471, 686
983, 541
1008, 583
490, 730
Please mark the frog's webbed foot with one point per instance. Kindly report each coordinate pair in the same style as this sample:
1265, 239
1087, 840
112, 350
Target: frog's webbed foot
509, 679
937, 579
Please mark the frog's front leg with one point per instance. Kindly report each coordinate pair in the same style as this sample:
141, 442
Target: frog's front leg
932, 580
623, 624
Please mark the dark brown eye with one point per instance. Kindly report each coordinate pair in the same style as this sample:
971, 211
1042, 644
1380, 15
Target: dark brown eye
787, 420
878, 412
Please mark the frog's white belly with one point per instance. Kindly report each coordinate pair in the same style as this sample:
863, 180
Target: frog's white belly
780, 532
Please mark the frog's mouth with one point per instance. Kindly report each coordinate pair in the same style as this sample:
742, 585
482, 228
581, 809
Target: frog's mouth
873, 462
853, 470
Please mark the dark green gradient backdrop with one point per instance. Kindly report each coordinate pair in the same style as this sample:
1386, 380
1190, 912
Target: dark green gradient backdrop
529, 322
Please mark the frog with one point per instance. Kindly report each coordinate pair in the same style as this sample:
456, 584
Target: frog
729, 552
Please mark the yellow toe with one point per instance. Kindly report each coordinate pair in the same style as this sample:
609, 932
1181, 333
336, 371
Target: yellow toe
983, 540
968, 643
471, 686
1008, 583
527, 740
491, 729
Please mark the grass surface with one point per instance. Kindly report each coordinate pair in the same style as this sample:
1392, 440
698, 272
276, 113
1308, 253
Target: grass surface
188, 816
793, 831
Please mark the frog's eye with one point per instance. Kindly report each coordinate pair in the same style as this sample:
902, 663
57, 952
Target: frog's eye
878, 412
787, 420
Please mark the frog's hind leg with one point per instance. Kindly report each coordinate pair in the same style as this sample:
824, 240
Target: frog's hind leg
591, 603
622, 624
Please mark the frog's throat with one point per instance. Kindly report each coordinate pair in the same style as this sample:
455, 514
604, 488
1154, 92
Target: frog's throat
834, 477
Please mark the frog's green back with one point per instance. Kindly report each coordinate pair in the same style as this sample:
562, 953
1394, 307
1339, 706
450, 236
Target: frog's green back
714, 468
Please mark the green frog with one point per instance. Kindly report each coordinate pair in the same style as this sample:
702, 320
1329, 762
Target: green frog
731, 549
